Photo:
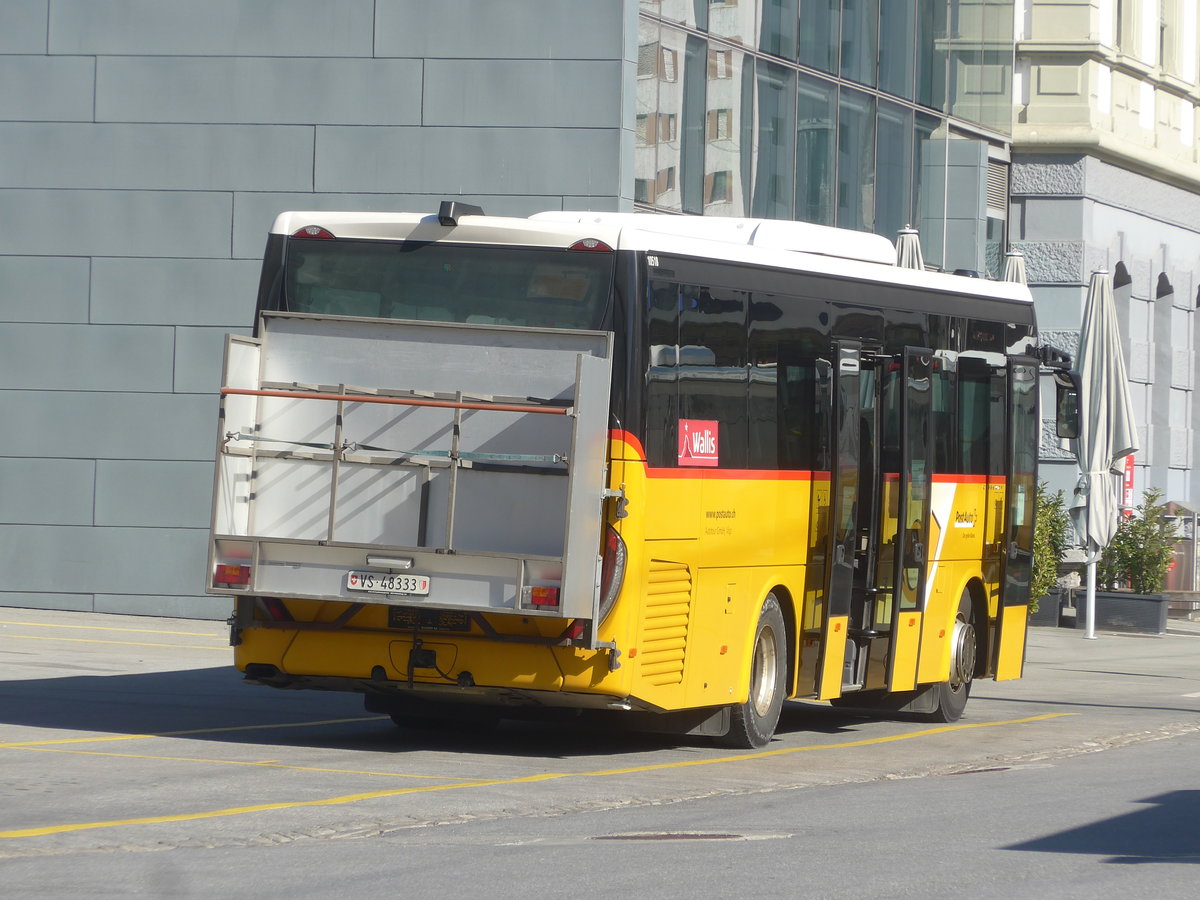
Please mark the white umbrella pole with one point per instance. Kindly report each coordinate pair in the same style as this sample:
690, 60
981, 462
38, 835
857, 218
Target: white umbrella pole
1090, 634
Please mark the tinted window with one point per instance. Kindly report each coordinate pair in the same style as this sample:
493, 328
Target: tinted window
448, 282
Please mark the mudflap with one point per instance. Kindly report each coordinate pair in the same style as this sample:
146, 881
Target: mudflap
922, 701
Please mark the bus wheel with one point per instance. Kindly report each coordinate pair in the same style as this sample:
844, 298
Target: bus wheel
752, 724
952, 694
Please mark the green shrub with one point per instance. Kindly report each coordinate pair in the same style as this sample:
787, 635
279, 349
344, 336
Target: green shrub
1140, 553
1050, 534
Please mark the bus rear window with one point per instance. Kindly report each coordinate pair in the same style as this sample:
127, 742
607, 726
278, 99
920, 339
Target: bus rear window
538, 287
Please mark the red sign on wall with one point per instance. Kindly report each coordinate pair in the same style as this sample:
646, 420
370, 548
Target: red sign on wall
698, 443
1127, 485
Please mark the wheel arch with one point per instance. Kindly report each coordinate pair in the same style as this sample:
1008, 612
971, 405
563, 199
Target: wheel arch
983, 627
787, 606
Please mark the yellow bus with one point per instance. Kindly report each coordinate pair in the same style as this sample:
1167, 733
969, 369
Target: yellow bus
675, 470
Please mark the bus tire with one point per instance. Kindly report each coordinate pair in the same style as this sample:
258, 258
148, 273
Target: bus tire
752, 724
952, 695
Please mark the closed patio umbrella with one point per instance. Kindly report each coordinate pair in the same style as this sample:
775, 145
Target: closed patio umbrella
1107, 432
908, 249
1014, 267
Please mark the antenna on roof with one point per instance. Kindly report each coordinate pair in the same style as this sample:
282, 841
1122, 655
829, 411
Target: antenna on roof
452, 210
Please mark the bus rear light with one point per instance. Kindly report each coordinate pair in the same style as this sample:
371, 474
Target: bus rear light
591, 244
312, 231
276, 610
612, 571
231, 576
543, 596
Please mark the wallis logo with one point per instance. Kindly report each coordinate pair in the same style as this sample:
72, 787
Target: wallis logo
698, 443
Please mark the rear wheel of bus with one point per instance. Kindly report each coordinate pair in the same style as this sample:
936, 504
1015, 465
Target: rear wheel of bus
952, 695
752, 724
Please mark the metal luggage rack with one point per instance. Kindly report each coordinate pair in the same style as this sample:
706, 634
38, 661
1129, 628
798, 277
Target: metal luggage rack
341, 449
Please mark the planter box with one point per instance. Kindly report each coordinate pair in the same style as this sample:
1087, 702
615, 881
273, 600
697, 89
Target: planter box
1122, 611
1049, 613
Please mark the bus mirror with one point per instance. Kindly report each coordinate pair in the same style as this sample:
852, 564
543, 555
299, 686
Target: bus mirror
1066, 418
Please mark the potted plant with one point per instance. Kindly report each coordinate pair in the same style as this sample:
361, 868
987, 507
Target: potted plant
1051, 531
1135, 567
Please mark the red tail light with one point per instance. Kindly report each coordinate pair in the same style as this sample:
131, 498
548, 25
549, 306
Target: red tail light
276, 610
612, 570
312, 231
544, 596
591, 244
231, 576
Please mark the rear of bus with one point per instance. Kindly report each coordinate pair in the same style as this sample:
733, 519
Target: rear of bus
413, 497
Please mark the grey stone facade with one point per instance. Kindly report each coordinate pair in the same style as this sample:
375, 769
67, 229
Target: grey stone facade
148, 144
1072, 214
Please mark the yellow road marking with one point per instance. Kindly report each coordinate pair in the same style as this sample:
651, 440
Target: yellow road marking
526, 779
266, 764
112, 628
163, 734
43, 637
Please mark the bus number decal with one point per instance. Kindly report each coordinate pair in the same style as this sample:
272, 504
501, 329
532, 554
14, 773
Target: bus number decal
698, 443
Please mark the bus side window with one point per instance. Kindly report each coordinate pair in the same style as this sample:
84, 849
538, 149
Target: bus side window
662, 374
976, 415
945, 382
713, 377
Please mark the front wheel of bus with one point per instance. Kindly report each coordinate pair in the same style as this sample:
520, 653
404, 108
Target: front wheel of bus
752, 724
952, 694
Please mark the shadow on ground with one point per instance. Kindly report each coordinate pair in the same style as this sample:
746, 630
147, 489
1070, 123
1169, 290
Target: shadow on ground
213, 704
1163, 832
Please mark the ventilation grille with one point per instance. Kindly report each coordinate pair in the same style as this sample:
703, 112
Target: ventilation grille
997, 186
665, 627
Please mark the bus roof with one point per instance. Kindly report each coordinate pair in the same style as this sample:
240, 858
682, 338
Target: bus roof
798, 246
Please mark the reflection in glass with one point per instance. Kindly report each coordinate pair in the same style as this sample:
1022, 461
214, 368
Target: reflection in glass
779, 23
815, 124
693, 13
860, 40
931, 55
677, 127
646, 106
929, 191
893, 168
856, 161
820, 27
712, 365
897, 51
728, 124
733, 20
775, 167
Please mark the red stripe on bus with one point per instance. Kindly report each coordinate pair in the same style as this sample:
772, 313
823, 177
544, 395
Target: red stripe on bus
707, 474
635, 445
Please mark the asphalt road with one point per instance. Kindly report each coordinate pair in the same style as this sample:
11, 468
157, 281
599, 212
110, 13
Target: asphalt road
120, 736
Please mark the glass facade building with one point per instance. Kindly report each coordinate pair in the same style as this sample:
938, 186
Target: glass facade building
864, 114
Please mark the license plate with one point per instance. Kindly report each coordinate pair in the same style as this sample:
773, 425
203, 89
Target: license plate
380, 583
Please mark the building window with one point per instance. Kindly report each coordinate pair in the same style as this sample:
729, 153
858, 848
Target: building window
657, 60
718, 187
719, 126
653, 128
666, 179
720, 63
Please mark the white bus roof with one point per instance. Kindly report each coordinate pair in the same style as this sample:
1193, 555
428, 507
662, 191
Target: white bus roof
799, 246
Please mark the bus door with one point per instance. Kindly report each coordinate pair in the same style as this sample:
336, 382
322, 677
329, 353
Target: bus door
896, 599
842, 535
1021, 478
